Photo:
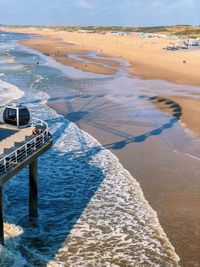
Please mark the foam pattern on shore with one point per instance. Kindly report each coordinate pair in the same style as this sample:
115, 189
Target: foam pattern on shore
9, 92
92, 211
117, 227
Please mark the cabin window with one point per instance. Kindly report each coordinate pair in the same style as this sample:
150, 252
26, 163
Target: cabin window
24, 117
10, 116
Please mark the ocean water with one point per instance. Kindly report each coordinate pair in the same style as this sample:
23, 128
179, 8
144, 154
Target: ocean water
92, 212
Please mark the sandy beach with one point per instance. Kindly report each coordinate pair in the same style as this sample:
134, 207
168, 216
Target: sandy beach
145, 55
170, 188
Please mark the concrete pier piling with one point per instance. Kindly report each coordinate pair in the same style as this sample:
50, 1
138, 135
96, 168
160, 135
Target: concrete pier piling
33, 189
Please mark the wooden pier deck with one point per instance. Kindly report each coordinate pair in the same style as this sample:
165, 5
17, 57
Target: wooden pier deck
20, 148
10, 134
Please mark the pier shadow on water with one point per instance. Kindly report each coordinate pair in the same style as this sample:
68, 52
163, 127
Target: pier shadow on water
67, 182
173, 108
109, 124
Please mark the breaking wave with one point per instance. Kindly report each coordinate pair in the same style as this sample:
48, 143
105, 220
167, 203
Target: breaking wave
115, 226
92, 211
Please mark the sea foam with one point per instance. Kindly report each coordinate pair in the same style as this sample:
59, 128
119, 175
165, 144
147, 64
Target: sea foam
9, 92
89, 202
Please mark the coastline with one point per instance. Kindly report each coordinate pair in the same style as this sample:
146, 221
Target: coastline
59, 45
145, 56
137, 158
128, 205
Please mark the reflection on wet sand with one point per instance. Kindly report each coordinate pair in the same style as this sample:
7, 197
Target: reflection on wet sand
126, 116
120, 112
91, 209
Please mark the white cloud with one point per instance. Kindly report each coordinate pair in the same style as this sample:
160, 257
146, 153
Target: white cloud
190, 3
84, 4
100, 12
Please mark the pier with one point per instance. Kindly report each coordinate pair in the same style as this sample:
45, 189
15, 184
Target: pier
20, 148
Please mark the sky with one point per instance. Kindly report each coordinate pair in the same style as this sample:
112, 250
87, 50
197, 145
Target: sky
100, 12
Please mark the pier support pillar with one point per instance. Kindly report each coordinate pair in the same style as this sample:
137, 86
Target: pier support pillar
1, 217
33, 189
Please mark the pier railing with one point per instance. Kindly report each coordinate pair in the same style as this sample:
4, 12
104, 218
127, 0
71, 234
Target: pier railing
22, 150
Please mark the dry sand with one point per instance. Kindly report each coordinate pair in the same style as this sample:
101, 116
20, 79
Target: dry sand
171, 189
190, 112
146, 56
186, 108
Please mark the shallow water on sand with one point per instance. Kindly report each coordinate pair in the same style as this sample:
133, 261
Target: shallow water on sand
155, 147
92, 212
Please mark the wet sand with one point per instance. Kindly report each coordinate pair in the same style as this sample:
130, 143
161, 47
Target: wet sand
190, 111
61, 52
169, 178
145, 55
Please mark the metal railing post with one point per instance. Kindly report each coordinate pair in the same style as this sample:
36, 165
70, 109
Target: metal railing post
19, 153
16, 156
4, 162
26, 150
1, 217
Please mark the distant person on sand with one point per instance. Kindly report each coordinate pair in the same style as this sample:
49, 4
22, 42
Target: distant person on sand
38, 60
